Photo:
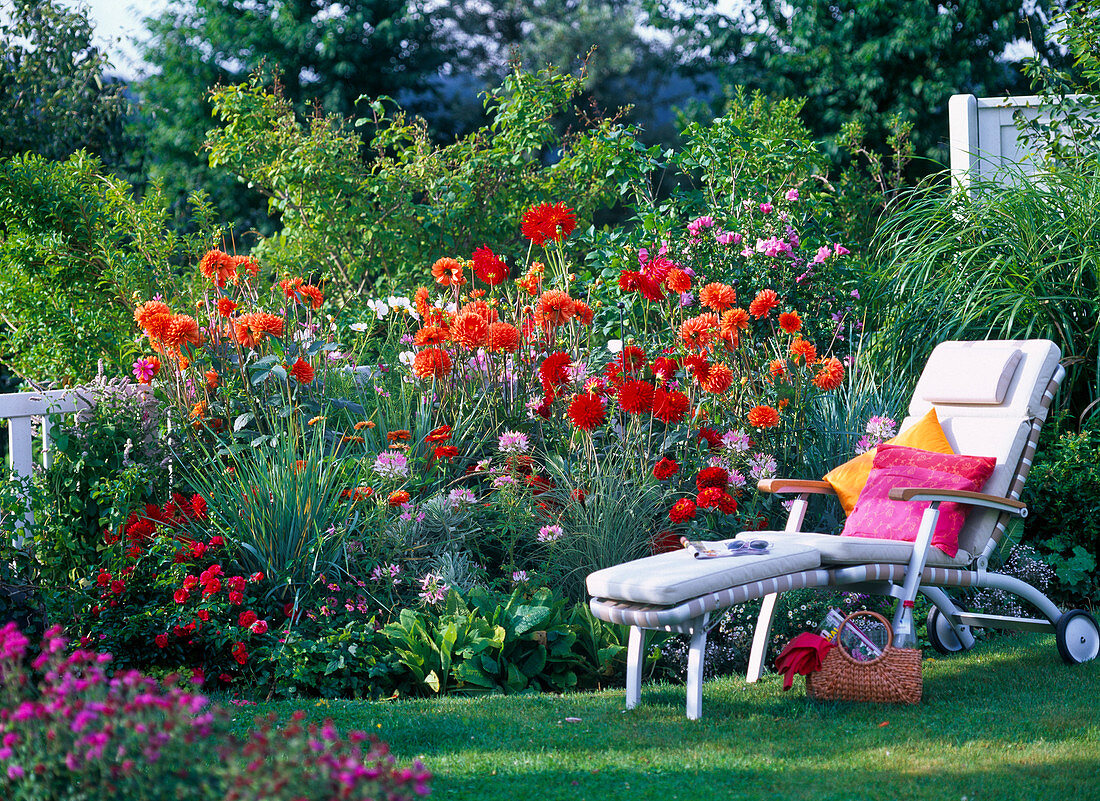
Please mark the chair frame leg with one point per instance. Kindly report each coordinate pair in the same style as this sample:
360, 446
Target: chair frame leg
696, 652
760, 637
635, 658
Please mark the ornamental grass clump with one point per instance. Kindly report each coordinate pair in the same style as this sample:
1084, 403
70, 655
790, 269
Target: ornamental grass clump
67, 731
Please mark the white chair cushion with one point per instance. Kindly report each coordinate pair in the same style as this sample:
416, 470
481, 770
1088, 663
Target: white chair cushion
979, 374
669, 578
1021, 399
836, 550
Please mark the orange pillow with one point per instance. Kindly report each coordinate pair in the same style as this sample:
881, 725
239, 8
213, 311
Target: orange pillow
849, 478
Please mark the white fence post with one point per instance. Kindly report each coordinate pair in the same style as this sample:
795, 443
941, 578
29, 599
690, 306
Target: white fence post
20, 409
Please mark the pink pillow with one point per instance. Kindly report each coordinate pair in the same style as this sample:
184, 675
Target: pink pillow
875, 515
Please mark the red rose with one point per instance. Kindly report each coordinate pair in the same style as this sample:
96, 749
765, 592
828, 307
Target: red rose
162, 641
181, 596
212, 586
103, 579
197, 550
117, 587
255, 577
216, 541
247, 619
239, 653
259, 627
236, 598
236, 583
203, 615
190, 582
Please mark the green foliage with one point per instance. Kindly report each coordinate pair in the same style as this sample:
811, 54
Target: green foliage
279, 502
107, 460
52, 86
501, 644
866, 61
75, 245
1068, 132
1063, 498
324, 52
356, 222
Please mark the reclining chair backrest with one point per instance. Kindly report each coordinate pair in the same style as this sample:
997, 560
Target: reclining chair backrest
991, 398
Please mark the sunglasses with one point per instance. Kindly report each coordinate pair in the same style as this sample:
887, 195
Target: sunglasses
748, 546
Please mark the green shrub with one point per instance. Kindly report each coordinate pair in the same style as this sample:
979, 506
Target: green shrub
1063, 500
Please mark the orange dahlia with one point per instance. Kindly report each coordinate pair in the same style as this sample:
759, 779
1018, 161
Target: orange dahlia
483, 309
764, 302
586, 412
718, 297
399, 435
212, 380
488, 267
421, 300
311, 295
554, 308
805, 349
153, 317
831, 374
398, 498
431, 335
777, 368
290, 287
226, 307
678, 281
503, 338
447, 271
182, 330
218, 267
718, 379
583, 311
469, 330
432, 363
697, 332
763, 417
790, 322
248, 263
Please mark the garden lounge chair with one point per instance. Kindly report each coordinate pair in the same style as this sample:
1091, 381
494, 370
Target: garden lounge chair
991, 399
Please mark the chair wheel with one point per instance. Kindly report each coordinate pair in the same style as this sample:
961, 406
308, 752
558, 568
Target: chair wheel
942, 637
1078, 636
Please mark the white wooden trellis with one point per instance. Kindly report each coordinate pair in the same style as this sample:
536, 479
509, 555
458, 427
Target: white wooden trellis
985, 142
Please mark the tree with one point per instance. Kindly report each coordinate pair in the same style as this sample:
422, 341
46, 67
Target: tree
52, 89
322, 52
866, 60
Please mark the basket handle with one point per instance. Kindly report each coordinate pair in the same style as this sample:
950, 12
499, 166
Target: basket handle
880, 619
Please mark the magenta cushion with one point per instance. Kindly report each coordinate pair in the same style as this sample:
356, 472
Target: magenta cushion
875, 515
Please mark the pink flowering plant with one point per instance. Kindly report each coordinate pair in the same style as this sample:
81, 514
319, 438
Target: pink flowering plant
69, 730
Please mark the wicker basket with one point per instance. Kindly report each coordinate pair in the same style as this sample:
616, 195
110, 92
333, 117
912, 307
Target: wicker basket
892, 678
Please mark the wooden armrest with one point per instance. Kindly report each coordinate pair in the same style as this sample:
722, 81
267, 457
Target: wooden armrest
959, 496
785, 485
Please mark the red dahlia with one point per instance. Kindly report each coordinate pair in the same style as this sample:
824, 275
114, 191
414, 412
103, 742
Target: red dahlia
548, 223
713, 440
586, 412
670, 407
715, 498
488, 267
665, 469
552, 370
636, 397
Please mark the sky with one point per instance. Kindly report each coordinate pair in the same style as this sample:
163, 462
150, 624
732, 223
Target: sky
116, 23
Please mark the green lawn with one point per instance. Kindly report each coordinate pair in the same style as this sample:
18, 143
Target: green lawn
1007, 721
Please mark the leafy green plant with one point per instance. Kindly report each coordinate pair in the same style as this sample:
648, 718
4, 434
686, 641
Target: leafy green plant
75, 245
1064, 481
281, 503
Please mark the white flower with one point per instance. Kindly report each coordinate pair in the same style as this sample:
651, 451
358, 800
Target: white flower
614, 346
359, 327
406, 357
